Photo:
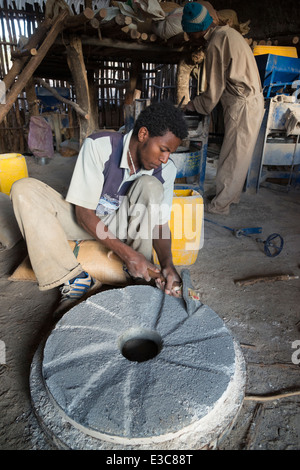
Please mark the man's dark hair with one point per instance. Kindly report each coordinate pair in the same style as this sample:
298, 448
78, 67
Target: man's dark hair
159, 118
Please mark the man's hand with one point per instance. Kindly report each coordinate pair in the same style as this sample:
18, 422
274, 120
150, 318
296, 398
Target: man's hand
172, 283
162, 245
190, 108
139, 267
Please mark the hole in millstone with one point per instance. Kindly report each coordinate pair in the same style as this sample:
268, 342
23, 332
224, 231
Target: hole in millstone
140, 345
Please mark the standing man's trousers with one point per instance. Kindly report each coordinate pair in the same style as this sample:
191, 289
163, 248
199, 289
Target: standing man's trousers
242, 121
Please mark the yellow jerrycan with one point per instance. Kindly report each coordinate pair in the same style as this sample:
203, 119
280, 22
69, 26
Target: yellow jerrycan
12, 168
186, 226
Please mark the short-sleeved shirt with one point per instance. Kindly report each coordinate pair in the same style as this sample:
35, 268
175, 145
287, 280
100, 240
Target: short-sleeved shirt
101, 176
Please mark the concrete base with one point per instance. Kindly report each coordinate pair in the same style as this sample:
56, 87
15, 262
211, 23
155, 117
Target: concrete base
129, 369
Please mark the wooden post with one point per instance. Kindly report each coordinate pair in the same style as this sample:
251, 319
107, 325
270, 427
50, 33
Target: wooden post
133, 82
55, 117
93, 93
32, 65
31, 98
21, 146
77, 67
132, 93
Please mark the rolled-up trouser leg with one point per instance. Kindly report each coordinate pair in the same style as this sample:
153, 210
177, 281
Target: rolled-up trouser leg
47, 222
138, 214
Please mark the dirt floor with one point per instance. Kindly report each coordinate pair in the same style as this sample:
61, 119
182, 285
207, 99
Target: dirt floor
263, 317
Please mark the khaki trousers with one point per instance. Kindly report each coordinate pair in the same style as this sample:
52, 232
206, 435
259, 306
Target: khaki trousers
242, 120
47, 222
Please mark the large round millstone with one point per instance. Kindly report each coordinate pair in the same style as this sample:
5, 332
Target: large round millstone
131, 369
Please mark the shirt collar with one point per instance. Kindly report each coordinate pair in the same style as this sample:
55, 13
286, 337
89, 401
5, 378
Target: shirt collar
124, 159
209, 33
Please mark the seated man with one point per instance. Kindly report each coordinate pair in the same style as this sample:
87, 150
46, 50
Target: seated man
116, 181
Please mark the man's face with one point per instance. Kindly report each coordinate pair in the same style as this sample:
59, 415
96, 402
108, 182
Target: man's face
197, 38
153, 151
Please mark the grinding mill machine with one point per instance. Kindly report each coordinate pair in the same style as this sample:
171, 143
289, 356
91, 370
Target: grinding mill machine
276, 157
190, 158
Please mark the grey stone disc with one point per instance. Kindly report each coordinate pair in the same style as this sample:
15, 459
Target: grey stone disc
130, 368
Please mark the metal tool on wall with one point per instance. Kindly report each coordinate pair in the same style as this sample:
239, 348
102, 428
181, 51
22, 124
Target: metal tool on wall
272, 245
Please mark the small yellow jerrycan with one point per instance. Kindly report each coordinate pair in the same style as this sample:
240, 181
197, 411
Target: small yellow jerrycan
186, 226
12, 168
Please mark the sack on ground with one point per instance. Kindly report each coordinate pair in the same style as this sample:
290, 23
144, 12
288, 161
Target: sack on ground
93, 257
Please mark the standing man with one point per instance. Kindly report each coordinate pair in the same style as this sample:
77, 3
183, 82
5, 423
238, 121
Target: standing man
116, 182
232, 79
